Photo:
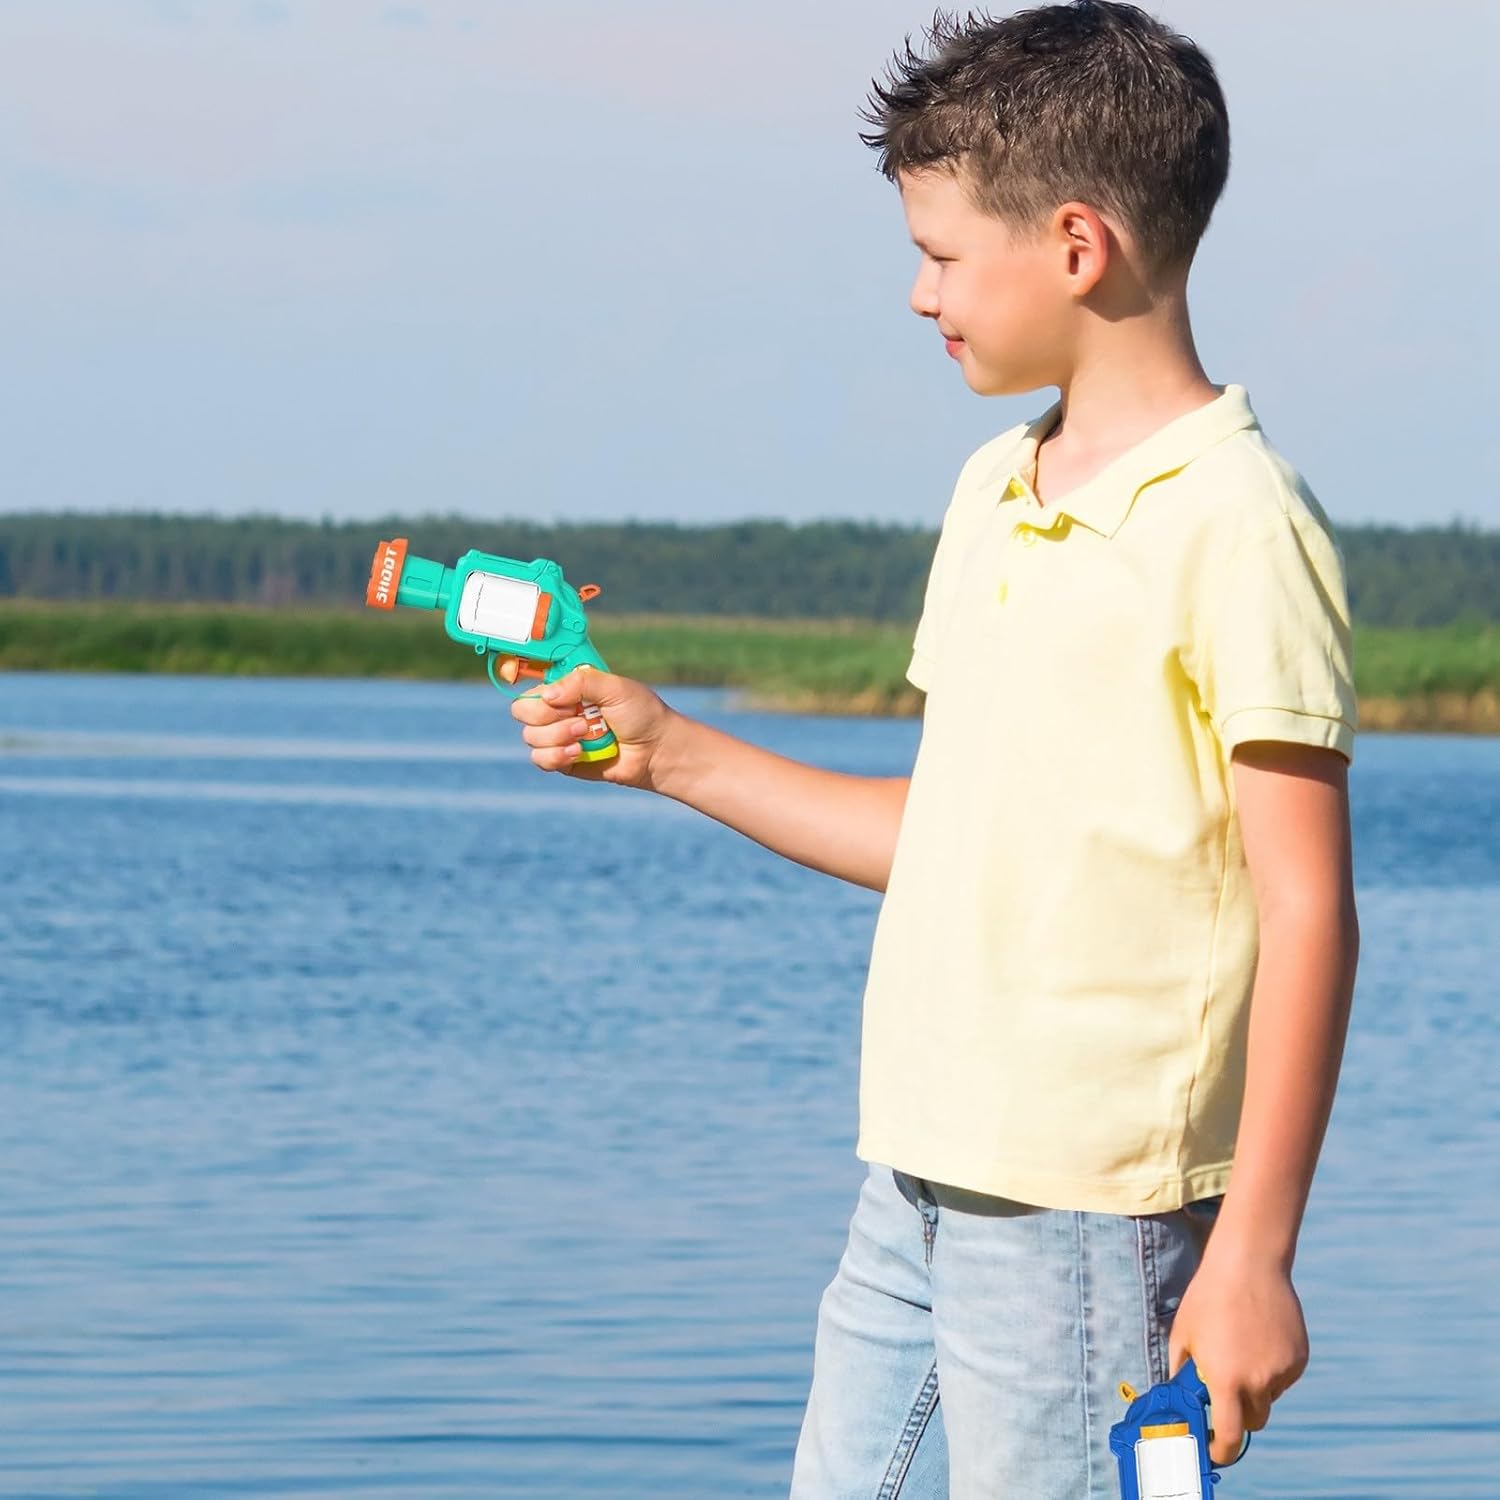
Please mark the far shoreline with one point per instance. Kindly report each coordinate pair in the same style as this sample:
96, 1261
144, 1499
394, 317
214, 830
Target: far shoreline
1437, 713
1475, 714
1443, 680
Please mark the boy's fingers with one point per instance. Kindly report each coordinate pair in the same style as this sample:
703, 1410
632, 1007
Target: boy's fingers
555, 760
1257, 1408
550, 736
534, 711
510, 668
538, 707
1229, 1428
583, 685
557, 701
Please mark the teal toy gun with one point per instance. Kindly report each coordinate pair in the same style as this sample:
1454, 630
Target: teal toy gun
501, 607
1161, 1443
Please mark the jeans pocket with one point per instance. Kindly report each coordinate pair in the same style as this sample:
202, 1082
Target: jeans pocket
1152, 1243
1171, 1247
1200, 1216
1205, 1210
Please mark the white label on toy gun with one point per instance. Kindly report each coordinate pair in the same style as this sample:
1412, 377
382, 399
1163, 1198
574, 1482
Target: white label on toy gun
1167, 1469
496, 606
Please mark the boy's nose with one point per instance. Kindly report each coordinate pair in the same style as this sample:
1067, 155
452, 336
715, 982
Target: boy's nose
924, 300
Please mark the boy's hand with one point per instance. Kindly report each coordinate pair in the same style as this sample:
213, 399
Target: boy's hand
638, 717
1241, 1321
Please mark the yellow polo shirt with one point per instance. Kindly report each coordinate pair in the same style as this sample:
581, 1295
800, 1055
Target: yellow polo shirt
1058, 993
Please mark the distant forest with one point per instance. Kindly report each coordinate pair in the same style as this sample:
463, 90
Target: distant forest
770, 569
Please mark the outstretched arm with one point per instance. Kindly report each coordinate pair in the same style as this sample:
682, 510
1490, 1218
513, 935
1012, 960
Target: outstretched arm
840, 824
827, 820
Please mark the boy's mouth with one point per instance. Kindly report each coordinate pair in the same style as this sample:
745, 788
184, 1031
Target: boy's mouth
952, 345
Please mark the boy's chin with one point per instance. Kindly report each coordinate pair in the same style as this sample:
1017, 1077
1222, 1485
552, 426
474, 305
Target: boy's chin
984, 381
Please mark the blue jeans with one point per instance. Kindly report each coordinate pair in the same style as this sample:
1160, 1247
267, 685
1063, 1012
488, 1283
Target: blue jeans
972, 1348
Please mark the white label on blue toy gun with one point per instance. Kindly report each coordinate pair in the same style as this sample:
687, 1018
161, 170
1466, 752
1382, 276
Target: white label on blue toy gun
1167, 1466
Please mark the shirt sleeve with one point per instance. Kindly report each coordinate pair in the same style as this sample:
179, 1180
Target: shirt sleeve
1269, 643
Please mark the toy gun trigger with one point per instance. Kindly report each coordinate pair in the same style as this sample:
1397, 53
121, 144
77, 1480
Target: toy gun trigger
524, 668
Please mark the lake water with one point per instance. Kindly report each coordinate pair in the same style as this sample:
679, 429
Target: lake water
380, 1117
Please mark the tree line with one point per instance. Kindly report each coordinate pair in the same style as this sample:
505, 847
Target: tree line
1428, 576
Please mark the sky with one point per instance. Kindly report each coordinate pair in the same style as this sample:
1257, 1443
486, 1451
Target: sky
628, 259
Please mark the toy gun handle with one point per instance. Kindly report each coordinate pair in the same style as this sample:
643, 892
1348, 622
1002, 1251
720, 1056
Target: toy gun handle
598, 740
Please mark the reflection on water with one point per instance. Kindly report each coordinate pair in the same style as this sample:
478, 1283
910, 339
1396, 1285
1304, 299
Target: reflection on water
176, 789
382, 1118
60, 744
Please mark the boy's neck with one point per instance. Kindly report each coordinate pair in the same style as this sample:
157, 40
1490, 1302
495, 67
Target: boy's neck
1138, 377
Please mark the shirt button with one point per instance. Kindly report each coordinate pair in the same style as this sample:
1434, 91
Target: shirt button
1028, 537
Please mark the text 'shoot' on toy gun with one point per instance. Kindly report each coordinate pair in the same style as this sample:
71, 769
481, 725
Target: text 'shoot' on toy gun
1162, 1441
501, 607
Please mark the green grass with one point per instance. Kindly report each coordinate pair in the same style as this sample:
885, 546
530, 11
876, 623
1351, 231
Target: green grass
806, 663
760, 655
1394, 663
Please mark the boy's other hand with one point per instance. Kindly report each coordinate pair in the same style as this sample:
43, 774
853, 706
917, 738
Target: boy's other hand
1241, 1321
639, 718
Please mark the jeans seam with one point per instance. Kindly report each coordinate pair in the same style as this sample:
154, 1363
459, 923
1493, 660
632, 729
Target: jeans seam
1083, 1341
911, 1433
1150, 1296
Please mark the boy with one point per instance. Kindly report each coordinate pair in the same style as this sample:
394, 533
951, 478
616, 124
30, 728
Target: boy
1116, 949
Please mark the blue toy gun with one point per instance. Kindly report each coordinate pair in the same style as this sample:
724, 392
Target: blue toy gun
1162, 1441
501, 607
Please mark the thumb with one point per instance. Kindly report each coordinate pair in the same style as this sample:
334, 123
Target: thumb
584, 684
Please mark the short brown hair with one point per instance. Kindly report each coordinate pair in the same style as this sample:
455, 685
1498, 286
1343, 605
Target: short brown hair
1094, 101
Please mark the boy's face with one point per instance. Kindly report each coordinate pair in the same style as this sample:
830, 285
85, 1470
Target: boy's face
996, 295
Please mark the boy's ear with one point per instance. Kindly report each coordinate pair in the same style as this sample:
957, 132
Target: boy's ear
1086, 244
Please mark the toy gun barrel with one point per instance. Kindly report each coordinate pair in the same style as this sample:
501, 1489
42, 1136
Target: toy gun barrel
412, 582
500, 607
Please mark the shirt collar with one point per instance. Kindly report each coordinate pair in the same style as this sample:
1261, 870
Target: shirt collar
1104, 501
